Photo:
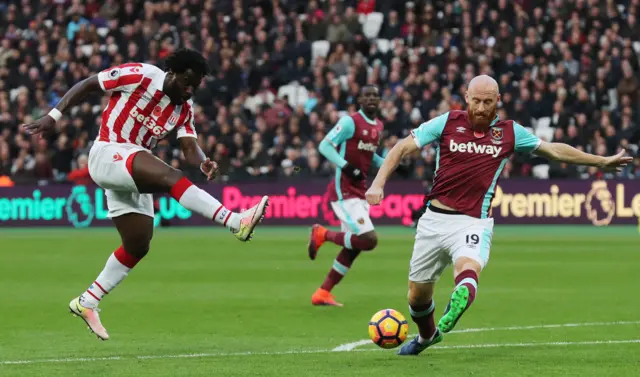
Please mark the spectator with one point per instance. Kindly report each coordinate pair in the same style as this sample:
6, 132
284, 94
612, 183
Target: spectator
80, 175
366, 6
337, 31
275, 94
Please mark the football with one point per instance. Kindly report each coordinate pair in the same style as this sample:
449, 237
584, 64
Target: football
388, 328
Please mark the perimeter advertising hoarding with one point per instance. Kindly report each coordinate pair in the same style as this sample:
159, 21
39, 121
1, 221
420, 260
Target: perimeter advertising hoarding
516, 202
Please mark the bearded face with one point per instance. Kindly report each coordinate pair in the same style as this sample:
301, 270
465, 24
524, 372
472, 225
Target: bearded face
482, 107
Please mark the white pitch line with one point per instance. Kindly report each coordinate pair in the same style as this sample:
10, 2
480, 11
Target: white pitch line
301, 352
353, 345
63, 360
511, 345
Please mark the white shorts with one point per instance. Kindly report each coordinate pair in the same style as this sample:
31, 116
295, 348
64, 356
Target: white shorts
443, 238
354, 215
109, 167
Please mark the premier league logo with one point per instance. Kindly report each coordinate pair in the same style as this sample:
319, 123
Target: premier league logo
79, 208
599, 204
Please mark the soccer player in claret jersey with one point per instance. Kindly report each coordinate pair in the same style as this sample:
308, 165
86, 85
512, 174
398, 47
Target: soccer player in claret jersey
351, 145
473, 147
145, 104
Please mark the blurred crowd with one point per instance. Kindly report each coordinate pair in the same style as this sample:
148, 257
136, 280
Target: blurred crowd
567, 69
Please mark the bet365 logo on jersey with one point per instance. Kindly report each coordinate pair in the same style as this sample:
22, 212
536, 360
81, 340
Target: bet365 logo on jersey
146, 121
472, 147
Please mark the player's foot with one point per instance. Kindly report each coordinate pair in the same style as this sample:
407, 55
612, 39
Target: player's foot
414, 347
456, 307
323, 297
90, 317
250, 219
316, 239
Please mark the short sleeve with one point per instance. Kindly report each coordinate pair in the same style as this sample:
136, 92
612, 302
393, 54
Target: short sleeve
525, 142
124, 78
188, 127
430, 131
342, 131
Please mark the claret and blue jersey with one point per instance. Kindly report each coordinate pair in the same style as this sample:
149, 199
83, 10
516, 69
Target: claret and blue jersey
468, 163
354, 139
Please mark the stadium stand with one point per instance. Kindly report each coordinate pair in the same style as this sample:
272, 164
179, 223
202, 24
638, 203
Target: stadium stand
286, 70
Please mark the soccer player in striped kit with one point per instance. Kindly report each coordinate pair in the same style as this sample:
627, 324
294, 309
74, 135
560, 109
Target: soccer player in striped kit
145, 104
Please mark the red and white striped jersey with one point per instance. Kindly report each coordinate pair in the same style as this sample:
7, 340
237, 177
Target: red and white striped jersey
138, 111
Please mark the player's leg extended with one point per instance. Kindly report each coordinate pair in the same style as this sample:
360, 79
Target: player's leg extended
136, 231
360, 236
357, 229
152, 175
347, 239
428, 261
470, 254
341, 265
421, 308
466, 273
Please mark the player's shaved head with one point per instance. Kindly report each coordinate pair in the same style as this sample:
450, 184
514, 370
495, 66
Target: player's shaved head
482, 99
483, 84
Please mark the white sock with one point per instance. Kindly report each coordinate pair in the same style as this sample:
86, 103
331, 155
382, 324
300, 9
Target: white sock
422, 340
199, 201
112, 274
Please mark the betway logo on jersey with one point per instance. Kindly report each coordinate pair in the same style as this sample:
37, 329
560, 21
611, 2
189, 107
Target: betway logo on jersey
366, 147
472, 147
146, 121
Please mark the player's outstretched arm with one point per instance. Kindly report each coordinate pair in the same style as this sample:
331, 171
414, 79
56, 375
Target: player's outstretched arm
73, 97
427, 133
375, 194
566, 153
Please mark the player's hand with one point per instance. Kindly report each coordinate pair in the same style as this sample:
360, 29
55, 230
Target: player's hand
209, 168
43, 125
374, 195
615, 163
353, 173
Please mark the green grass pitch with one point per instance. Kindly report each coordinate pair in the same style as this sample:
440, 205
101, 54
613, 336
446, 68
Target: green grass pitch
203, 304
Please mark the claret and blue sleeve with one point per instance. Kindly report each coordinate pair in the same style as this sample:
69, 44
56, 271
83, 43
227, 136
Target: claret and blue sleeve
341, 132
430, 131
525, 142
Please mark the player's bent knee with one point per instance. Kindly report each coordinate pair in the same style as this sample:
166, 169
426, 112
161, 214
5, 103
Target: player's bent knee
369, 241
138, 246
173, 176
373, 238
136, 232
170, 177
466, 263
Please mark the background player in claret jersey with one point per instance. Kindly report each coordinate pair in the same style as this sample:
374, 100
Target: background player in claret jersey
473, 147
146, 104
351, 146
